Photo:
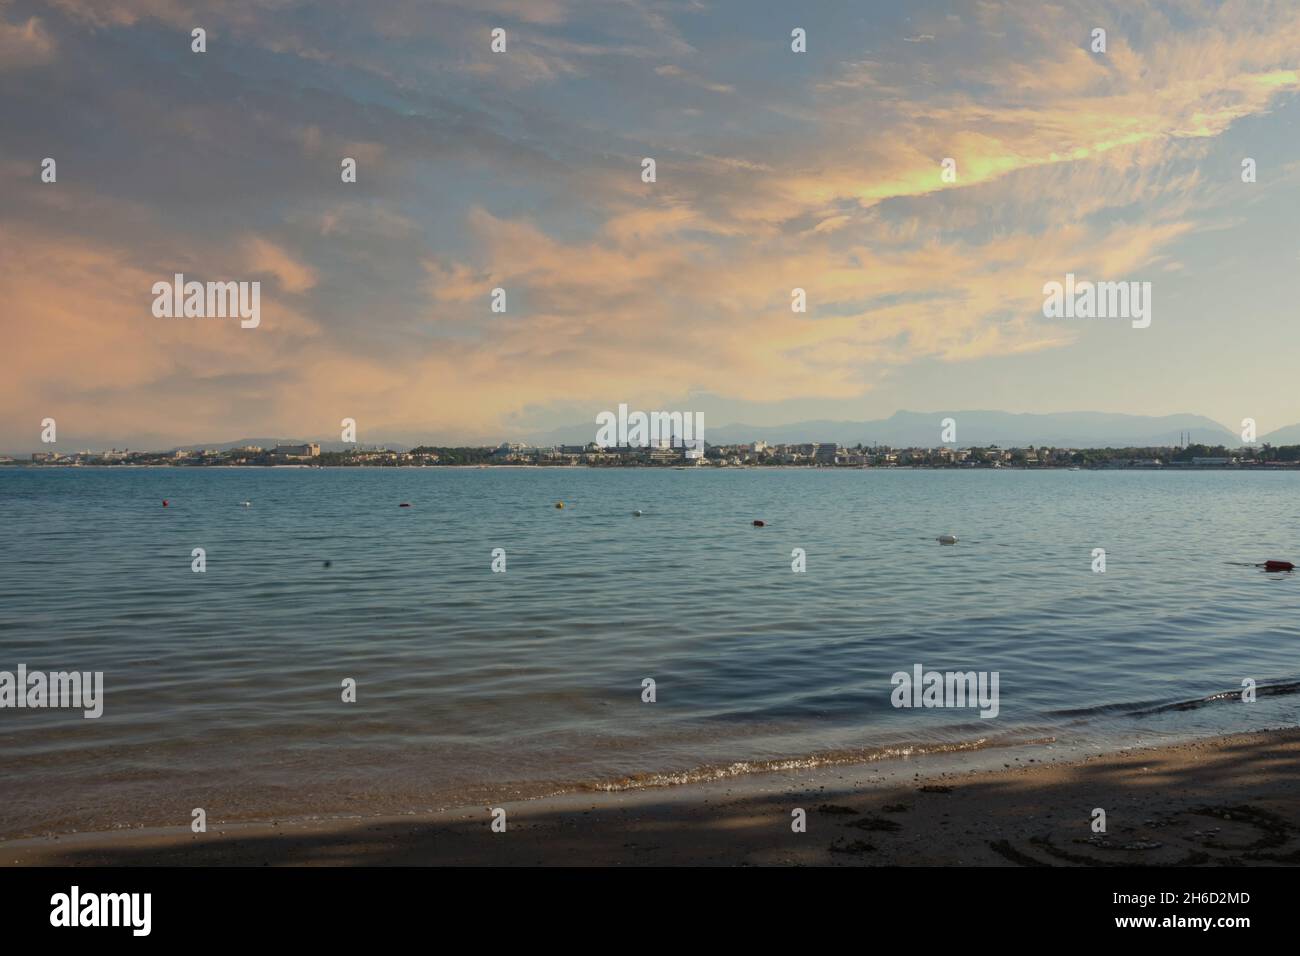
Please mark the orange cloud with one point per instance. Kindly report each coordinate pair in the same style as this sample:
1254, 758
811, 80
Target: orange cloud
25, 44
263, 256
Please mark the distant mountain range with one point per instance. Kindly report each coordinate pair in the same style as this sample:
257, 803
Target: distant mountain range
1290, 435
1069, 429
1008, 429
902, 429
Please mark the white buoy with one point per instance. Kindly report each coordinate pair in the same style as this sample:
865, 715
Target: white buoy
248, 504
947, 539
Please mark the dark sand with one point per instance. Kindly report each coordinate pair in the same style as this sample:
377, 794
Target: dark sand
1223, 801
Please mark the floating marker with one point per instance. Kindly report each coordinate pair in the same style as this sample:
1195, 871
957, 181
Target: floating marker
1278, 566
404, 504
164, 502
947, 539
247, 504
759, 524
637, 513
559, 504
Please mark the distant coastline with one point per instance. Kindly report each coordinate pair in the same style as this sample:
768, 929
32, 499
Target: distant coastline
751, 455
1253, 469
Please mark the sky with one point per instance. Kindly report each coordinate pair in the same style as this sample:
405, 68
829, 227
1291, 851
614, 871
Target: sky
522, 170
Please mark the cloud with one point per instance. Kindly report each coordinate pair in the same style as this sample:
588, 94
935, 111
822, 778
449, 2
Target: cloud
676, 72
477, 172
261, 256
1062, 105
25, 44
100, 363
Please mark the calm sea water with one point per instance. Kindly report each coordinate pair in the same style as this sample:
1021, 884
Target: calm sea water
223, 688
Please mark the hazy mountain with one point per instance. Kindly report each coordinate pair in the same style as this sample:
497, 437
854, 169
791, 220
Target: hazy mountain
1290, 435
1069, 429
902, 429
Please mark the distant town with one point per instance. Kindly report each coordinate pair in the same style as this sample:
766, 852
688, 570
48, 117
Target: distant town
754, 454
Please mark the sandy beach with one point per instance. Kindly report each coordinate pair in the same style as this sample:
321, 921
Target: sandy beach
1223, 801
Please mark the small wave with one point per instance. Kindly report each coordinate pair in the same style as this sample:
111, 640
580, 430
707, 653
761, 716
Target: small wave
834, 758
1148, 708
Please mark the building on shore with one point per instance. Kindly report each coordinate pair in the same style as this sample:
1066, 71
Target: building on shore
309, 450
825, 452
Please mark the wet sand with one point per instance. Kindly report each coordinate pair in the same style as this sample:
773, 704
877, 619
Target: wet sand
1224, 801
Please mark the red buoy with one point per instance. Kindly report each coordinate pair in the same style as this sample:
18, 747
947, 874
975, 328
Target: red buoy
164, 502
1278, 566
759, 524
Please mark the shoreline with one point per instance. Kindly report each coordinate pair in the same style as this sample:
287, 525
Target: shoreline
1268, 468
1230, 800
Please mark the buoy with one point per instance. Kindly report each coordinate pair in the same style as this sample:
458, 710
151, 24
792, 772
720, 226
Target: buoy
759, 524
1278, 566
404, 504
247, 504
559, 504
329, 564
637, 513
164, 502
947, 539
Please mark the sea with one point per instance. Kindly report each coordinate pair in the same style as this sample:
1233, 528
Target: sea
340, 654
